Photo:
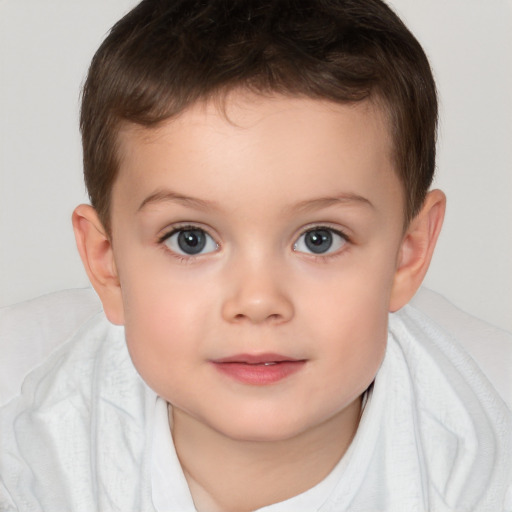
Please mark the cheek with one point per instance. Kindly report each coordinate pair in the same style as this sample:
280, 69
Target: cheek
357, 338
356, 293
163, 344
355, 350
349, 316
166, 322
160, 294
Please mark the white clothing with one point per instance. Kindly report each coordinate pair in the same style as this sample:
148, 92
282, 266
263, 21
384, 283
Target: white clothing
88, 434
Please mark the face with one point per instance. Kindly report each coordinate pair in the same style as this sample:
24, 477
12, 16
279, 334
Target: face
256, 250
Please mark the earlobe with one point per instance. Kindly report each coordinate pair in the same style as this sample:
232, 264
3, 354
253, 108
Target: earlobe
97, 256
417, 248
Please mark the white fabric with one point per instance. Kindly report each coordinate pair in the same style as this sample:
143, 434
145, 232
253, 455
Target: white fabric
77, 437
31, 330
169, 486
488, 345
434, 437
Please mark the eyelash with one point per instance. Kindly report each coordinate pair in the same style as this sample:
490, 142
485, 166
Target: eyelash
177, 229
321, 257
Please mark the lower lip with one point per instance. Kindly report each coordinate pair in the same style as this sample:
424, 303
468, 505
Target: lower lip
260, 374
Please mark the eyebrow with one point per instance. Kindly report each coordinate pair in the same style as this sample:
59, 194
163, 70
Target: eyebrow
163, 196
338, 199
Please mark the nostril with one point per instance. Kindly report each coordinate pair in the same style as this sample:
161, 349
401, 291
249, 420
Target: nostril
273, 317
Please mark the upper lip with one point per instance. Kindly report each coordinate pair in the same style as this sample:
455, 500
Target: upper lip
257, 359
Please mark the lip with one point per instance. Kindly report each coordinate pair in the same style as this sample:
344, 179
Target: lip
258, 369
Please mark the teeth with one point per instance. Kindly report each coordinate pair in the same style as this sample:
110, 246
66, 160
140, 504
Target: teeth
268, 363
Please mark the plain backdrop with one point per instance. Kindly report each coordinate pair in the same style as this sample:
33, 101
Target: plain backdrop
45, 49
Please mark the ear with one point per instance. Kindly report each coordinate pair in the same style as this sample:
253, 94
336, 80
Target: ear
416, 249
95, 249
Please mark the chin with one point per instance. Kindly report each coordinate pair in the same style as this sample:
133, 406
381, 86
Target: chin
264, 428
260, 435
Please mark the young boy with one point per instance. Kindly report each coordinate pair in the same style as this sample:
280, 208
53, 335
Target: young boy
259, 176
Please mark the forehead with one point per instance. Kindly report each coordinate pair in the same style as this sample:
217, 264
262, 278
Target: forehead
245, 110
260, 144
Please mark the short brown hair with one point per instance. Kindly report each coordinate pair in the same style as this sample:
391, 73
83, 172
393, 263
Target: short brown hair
165, 55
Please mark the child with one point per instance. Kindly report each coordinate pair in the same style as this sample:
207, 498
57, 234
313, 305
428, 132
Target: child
259, 175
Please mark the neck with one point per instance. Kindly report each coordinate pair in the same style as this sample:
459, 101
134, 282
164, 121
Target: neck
231, 475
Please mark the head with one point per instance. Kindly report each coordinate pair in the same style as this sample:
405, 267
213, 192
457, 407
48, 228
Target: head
258, 173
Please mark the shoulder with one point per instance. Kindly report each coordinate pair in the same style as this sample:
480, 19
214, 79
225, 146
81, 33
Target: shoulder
68, 374
488, 346
30, 331
80, 417
446, 386
51, 362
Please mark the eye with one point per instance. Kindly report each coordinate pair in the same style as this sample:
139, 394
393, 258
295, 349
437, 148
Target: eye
320, 241
190, 241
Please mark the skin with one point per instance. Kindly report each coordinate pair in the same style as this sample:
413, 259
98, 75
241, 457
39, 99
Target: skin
255, 178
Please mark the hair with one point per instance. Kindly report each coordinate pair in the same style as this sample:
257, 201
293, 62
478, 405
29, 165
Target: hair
166, 55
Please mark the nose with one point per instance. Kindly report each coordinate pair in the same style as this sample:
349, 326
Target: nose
257, 296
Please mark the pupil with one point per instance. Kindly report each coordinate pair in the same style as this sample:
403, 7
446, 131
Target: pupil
318, 241
192, 242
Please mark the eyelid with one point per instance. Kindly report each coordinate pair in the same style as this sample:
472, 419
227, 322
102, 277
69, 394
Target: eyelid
187, 226
335, 229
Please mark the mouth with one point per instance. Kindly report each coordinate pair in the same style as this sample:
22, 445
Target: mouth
259, 369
